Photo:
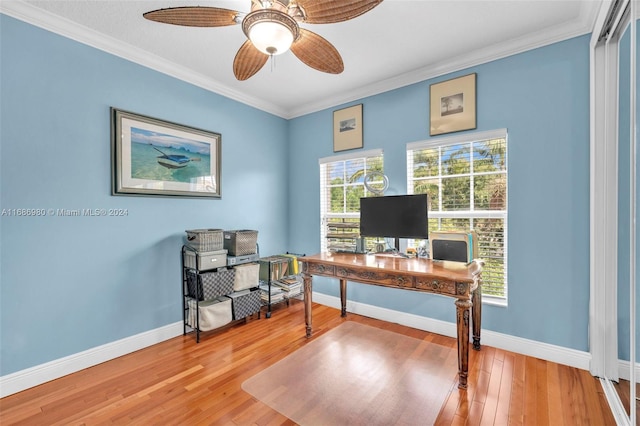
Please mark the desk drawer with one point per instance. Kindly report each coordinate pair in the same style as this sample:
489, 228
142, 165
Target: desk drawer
319, 269
437, 285
377, 278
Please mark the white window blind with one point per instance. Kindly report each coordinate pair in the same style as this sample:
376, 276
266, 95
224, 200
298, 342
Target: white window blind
341, 187
465, 177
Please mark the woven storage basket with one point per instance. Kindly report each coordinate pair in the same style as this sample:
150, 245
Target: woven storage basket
241, 242
205, 239
245, 303
210, 285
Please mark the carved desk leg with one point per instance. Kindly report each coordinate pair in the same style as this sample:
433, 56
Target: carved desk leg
343, 297
462, 310
306, 278
476, 312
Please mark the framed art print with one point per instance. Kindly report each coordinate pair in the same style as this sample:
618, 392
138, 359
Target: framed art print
453, 105
347, 128
156, 157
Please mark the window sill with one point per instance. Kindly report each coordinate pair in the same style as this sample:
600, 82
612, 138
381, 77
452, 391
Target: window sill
494, 301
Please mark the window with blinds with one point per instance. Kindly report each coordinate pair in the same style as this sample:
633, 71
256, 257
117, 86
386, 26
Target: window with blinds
341, 187
465, 177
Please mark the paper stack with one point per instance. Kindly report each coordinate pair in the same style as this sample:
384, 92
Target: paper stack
277, 292
291, 285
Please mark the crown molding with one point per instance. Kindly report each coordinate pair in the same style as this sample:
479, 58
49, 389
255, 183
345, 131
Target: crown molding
498, 51
32, 15
35, 16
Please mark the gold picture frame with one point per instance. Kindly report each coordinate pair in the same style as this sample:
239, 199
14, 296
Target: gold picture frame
347, 128
453, 105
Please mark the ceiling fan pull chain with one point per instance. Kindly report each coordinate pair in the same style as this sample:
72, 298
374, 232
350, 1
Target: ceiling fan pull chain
272, 51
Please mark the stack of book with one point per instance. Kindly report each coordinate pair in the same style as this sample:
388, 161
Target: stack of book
277, 292
291, 285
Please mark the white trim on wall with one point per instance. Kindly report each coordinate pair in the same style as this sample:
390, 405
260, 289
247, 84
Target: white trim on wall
633, 127
603, 314
21, 380
34, 376
553, 353
35, 16
624, 370
71, 30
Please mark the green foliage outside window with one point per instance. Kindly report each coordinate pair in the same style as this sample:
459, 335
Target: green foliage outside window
464, 180
467, 188
344, 182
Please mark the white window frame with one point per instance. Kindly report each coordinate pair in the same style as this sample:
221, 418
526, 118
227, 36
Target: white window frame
324, 189
467, 214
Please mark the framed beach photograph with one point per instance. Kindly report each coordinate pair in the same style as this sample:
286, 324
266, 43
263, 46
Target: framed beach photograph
453, 105
159, 158
347, 128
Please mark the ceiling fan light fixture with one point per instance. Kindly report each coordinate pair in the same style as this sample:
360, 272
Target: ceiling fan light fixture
272, 32
272, 28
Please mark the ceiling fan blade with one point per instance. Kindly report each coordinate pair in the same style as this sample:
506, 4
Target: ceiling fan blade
248, 61
328, 11
194, 16
317, 52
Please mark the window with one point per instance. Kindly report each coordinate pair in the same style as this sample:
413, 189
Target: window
466, 179
341, 187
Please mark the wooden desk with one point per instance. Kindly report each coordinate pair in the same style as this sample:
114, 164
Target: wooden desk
446, 278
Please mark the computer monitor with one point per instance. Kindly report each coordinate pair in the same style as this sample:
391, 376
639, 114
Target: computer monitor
394, 216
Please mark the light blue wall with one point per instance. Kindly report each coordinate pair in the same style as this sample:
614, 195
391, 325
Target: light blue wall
70, 284
542, 98
73, 283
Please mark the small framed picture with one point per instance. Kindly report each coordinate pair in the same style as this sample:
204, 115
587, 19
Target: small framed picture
453, 105
160, 158
347, 128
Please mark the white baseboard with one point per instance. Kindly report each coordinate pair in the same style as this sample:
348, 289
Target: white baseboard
624, 370
557, 354
24, 379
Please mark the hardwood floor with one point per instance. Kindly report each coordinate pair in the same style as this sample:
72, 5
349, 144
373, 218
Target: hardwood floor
180, 382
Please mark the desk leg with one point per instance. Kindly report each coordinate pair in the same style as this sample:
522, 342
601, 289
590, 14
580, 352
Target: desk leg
343, 298
476, 313
307, 289
462, 320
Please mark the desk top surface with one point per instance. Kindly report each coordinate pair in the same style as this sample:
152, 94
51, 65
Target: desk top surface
456, 271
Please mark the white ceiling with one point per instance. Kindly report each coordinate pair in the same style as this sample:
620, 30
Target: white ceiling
397, 43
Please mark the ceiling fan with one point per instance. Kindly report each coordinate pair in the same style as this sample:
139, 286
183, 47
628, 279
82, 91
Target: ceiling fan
272, 28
